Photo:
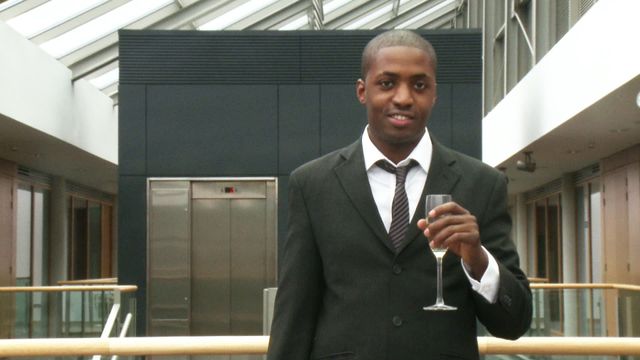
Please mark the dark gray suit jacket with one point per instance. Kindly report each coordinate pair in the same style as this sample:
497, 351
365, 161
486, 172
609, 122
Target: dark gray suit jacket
344, 293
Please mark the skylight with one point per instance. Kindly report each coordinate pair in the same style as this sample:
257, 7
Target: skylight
9, 3
107, 79
335, 4
423, 15
372, 16
295, 24
49, 15
236, 14
101, 26
303, 20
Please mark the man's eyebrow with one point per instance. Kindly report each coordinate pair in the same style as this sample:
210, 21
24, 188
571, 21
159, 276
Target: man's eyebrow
415, 76
388, 73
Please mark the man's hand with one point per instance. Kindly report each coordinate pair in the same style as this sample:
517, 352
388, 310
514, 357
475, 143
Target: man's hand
456, 229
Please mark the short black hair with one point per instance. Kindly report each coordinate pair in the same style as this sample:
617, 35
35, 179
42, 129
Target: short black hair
395, 38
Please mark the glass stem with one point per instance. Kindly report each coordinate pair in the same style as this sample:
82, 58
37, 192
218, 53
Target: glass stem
439, 300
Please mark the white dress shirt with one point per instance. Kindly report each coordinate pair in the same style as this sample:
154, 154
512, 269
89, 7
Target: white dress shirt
383, 185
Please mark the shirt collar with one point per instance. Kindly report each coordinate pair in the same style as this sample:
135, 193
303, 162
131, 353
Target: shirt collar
421, 153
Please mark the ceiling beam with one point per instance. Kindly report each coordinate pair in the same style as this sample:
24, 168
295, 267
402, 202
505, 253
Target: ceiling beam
188, 15
411, 9
435, 13
316, 15
20, 8
258, 16
396, 8
95, 61
351, 12
282, 17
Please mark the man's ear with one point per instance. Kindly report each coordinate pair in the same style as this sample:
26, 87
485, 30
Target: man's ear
360, 91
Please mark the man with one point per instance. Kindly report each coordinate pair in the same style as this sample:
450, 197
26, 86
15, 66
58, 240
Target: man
347, 291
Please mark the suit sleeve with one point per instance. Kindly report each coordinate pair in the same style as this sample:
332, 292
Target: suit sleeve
300, 286
510, 316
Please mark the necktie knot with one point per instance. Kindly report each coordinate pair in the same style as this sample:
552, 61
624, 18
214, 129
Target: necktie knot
399, 171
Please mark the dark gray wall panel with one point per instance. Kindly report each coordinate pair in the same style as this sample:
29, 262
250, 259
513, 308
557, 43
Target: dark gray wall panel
212, 130
342, 117
298, 126
209, 57
132, 130
132, 240
439, 124
276, 57
466, 119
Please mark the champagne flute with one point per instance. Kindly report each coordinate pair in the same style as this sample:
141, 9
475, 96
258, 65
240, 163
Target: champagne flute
432, 201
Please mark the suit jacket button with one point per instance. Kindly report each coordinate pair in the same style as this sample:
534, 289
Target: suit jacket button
397, 321
397, 269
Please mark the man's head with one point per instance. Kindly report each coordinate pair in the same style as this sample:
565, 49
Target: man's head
398, 88
395, 38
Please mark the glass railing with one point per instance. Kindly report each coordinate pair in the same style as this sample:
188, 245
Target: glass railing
581, 310
67, 311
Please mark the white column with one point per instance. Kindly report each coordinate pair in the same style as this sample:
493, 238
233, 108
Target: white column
569, 263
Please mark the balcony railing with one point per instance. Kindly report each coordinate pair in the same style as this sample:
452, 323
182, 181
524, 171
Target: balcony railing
585, 310
64, 311
594, 321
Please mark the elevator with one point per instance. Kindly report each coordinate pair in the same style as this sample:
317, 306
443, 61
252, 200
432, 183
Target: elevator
211, 253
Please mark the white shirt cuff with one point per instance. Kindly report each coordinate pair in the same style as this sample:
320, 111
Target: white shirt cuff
489, 283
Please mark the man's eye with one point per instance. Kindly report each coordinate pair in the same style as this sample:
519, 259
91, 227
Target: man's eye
386, 84
420, 85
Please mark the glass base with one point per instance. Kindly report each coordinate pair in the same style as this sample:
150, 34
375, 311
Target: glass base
439, 307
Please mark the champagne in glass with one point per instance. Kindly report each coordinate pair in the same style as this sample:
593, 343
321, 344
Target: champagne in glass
431, 202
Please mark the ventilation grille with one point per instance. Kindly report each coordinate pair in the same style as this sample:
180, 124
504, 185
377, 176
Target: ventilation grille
545, 190
88, 193
587, 173
275, 57
33, 177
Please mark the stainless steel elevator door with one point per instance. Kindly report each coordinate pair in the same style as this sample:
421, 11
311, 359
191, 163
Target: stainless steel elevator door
232, 248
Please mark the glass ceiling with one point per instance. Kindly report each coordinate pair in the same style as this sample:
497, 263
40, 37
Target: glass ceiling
82, 34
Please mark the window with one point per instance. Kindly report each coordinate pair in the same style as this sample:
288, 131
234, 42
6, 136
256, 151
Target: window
32, 238
90, 239
544, 223
588, 256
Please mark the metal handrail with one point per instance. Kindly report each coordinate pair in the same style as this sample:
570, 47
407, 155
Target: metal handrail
121, 288
565, 286
257, 345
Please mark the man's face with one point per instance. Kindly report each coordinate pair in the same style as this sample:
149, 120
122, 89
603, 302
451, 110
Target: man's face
399, 92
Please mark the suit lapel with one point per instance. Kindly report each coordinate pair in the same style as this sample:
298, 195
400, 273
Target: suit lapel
353, 177
441, 179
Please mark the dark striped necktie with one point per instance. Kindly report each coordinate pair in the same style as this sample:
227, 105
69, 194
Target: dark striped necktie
400, 205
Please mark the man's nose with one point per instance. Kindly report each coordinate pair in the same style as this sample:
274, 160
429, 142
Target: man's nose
403, 97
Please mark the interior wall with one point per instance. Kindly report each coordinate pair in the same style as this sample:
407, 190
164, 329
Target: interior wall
38, 91
620, 228
245, 104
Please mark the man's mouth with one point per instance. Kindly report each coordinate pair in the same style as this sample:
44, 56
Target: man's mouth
400, 119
